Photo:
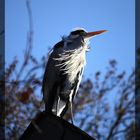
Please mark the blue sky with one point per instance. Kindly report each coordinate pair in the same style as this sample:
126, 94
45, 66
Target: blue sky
53, 19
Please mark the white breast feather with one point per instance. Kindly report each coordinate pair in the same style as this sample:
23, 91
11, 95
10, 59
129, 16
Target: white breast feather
73, 61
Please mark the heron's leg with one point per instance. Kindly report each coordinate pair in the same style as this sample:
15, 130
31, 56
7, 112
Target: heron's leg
71, 112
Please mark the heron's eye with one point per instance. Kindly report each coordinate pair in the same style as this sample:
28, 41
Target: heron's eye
83, 33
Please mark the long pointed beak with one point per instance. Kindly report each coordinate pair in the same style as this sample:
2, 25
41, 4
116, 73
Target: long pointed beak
91, 34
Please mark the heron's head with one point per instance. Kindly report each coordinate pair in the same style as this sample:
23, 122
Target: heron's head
80, 35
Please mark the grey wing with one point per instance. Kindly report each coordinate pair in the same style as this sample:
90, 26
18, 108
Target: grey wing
51, 79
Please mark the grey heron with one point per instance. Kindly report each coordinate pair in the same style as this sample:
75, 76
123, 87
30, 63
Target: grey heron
64, 71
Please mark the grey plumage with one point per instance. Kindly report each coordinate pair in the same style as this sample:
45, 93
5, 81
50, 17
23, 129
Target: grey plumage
64, 71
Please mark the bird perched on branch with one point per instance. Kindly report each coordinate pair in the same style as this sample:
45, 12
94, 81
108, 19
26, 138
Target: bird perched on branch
64, 71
